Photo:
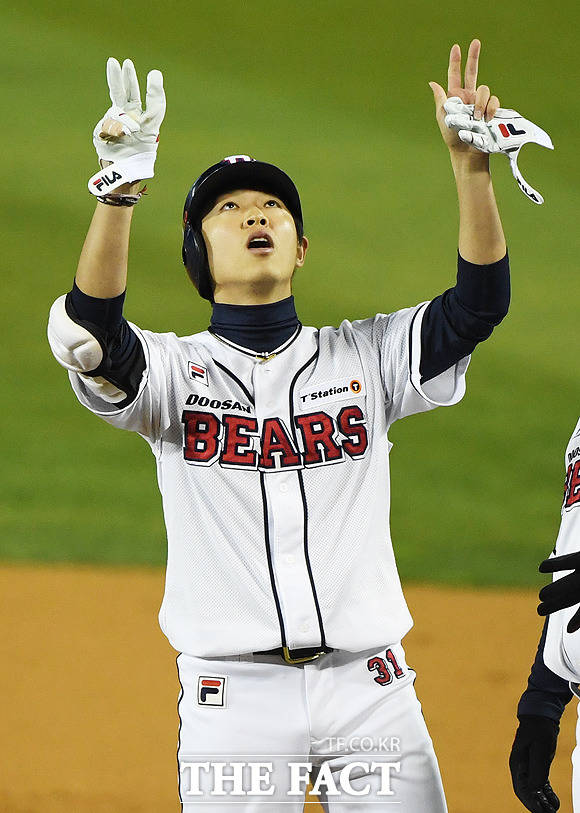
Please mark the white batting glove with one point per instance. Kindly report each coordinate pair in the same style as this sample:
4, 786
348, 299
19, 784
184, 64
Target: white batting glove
507, 132
126, 137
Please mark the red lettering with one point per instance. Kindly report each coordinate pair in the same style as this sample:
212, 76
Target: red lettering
390, 656
238, 433
202, 430
567, 482
318, 435
379, 665
351, 423
573, 486
384, 677
324, 440
278, 451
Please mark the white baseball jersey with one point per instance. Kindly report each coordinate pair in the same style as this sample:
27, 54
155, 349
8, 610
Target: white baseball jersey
562, 649
274, 475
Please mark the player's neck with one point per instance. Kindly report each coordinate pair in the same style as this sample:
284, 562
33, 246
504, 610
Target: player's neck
261, 328
252, 294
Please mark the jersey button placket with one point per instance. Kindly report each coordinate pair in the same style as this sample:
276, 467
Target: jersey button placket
286, 516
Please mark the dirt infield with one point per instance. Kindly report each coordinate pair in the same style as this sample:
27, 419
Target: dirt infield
89, 690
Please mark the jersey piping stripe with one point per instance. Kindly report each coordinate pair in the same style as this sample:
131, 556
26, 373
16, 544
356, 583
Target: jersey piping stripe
290, 341
179, 699
292, 385
307, 557
252, 353
304, 502
269, 557
240, 384
411, 351
231, 344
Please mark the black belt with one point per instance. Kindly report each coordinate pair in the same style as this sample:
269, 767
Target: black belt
305, 655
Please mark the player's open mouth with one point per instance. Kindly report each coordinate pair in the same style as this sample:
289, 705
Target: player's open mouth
260, 243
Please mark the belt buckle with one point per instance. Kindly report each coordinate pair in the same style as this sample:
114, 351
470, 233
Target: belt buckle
289, 659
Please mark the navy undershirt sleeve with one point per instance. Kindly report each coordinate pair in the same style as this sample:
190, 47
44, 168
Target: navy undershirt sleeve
547, 693
106, 313
457, 320
123, 358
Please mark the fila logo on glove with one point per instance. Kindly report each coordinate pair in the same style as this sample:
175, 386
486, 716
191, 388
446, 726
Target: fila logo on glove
234, 439
106, 180
508, 129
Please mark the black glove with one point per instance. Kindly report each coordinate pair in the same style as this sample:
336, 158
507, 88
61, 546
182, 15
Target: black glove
532, 754
564, 592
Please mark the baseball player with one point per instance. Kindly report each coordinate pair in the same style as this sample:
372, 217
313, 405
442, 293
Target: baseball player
555, 674
271, 442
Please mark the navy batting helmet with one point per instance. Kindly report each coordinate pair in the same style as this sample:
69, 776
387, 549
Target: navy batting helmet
234, 172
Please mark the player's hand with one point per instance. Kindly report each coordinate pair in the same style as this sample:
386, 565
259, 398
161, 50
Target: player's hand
127, 136
466, 90
564, 592
530, 759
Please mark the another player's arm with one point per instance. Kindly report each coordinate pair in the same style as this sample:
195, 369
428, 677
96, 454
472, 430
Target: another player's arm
481, 237
539, 711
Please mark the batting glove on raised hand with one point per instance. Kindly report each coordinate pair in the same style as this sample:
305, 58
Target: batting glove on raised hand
530, 759
563, 592
127, 136
506, 133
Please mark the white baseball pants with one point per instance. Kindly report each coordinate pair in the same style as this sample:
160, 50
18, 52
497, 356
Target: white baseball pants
576, 760
252, 726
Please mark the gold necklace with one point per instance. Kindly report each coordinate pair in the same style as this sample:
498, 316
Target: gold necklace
264, 357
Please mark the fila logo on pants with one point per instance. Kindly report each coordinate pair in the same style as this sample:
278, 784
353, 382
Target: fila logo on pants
211, 691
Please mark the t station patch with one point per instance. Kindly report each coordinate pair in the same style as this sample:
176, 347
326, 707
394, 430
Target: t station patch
331, 391
211, 691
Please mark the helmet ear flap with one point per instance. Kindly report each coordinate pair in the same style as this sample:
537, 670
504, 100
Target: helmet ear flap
194, 256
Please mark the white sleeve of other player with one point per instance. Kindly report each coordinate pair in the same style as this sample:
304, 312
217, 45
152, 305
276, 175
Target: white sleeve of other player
562, 649
148, 413
397, 338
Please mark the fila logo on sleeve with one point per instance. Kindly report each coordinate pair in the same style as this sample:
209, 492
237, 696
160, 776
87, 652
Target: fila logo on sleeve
198, 372
211, 691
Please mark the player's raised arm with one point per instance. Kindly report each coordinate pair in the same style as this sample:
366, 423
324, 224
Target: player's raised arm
481, 238
126, 141
86, 330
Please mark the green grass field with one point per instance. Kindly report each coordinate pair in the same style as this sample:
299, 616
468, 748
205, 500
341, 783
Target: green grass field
335, 93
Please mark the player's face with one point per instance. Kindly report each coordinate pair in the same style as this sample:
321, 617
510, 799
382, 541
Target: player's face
252, 247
